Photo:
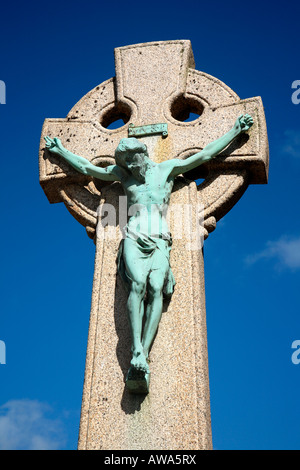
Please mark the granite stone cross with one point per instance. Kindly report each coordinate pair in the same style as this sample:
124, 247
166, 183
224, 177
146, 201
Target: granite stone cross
155, 89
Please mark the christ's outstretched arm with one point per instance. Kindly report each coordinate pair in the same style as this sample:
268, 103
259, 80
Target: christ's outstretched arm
242, 124
110, 173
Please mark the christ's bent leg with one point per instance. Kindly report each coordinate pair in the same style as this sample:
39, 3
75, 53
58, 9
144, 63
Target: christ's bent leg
135, 309
154, 309
136, 270
137, 379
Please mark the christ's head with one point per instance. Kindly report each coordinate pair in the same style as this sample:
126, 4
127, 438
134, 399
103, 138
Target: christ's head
132, 155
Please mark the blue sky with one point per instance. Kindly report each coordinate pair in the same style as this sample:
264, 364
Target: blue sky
51, 55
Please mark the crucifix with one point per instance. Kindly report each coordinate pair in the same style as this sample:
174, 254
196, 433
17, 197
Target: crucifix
155, 156
144, 254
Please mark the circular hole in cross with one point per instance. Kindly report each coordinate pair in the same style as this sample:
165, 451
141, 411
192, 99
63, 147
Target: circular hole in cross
116, 116
186, 109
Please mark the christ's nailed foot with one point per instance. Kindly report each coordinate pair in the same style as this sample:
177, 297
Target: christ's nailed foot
138, 376
139, 361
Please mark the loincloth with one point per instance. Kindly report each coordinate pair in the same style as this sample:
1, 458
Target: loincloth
146, 247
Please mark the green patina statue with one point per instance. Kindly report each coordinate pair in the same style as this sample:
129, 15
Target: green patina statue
143, 258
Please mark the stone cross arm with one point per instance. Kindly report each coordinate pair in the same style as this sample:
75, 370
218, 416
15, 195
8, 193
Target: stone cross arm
157, 83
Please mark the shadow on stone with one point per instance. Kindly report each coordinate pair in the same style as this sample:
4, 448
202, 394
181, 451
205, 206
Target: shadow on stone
130, 402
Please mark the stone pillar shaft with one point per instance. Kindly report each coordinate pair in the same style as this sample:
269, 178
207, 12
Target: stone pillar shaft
175, 415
